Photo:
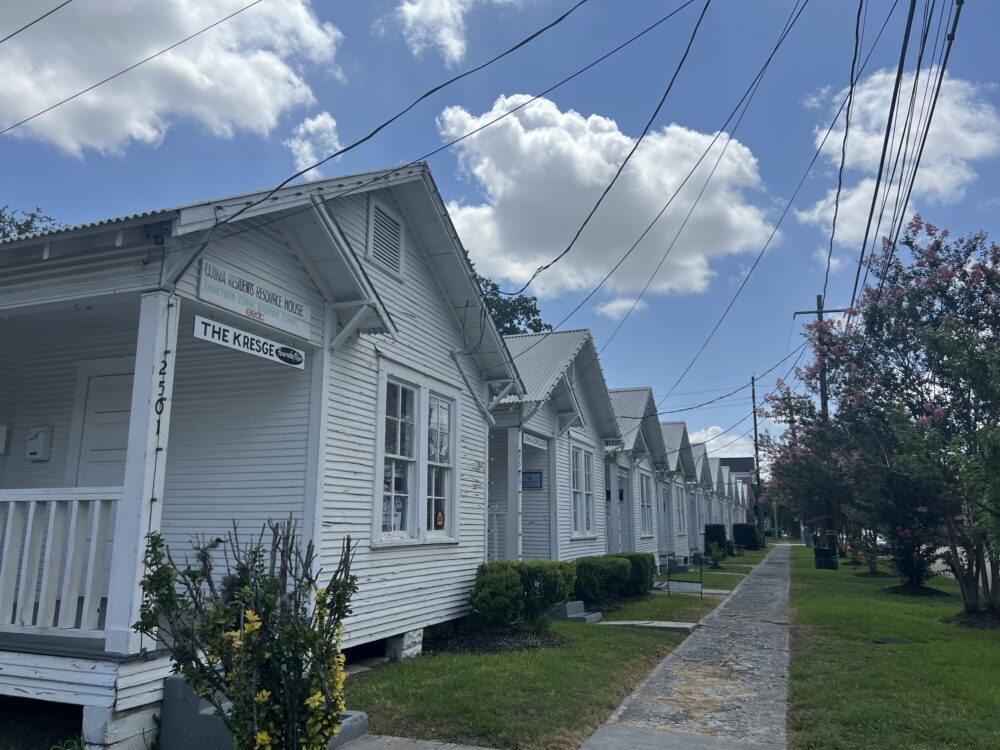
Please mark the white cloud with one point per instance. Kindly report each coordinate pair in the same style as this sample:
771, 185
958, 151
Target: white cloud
541, 169
836, 261
438, 24
241, 75
313, 139
619, 307
714, 439
966, 129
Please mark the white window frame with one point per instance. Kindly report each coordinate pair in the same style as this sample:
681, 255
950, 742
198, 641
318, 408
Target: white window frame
645, 505
424, 386
680, 502
374, 202
582, 491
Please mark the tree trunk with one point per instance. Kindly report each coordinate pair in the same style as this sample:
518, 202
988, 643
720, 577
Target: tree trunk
965, 573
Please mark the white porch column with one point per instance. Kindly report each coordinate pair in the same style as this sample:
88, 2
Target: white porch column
614, 507
513, 493
139, 511
554, 498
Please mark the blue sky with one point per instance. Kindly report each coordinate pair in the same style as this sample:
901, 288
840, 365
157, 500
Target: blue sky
217, 116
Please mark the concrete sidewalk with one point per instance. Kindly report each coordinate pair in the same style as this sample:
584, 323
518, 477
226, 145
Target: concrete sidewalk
726, 686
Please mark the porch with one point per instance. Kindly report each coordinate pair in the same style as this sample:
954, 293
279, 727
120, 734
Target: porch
92, 395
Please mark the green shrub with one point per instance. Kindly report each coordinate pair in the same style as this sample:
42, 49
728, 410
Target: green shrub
716, 555
730, 548
641, 576
715, 533
746, 535
521, 593
600, 579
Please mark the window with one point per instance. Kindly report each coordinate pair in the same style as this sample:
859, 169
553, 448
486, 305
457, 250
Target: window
400, 458
439, 462
681, 500
582, 482
385, 237
417, 442
646, 505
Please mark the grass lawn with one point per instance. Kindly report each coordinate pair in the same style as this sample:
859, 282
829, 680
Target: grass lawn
714, 579
36, 725
675, 608
940, 690
546, 698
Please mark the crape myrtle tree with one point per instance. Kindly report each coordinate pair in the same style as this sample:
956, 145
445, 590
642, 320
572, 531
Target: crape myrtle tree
916, 397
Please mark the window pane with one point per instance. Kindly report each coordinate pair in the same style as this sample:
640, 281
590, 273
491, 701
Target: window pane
437, 500
444, 447
392, 400
406, 439
433, 447
588, 472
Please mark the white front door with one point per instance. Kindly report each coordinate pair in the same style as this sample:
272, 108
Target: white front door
104, 437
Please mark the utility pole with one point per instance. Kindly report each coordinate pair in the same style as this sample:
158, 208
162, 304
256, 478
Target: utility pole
824, 410
757, 509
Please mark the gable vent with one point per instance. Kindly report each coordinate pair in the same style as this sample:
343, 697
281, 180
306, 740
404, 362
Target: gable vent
386, 239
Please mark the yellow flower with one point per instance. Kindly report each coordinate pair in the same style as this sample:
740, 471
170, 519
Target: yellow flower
263, 740
234, 636
315, 700
252, 621
262, 696
319, 593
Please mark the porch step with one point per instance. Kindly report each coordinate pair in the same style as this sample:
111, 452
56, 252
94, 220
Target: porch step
587, 617
677, 627
567, 610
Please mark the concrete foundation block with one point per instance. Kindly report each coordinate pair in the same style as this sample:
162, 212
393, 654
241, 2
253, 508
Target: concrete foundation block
405, 646
107, 729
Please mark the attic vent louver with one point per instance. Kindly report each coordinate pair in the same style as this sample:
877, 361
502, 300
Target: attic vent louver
386, 239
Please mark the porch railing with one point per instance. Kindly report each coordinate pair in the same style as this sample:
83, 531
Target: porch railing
54, 550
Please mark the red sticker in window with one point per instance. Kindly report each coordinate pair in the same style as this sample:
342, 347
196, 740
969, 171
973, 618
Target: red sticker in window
439, 520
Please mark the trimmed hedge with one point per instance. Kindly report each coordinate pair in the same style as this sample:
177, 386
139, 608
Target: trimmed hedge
521, 592
746, 535
643, 572
599, 579
715, 533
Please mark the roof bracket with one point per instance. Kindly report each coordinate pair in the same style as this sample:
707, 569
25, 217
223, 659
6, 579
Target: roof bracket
352, 325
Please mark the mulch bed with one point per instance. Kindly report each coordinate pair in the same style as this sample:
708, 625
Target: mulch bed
494, 641
981, 620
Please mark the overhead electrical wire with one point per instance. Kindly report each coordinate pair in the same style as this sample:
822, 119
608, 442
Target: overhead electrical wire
885, 142
13, 34
128, 69
843, 145
747, 94
445, 146
781, 218
628, 157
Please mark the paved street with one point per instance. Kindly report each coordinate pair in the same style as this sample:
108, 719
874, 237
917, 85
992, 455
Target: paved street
725, 686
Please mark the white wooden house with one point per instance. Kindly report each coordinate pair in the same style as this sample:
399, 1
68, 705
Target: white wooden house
728, 509
631, 473
718, 493
326, 355
678, 475
547, 451
703, 487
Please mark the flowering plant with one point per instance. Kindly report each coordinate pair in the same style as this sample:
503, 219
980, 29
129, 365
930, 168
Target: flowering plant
261, 643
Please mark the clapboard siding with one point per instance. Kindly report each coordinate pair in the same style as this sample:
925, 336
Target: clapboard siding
263, 253
45, 387
400, 588
238, 441
84, 274
536, 538
497, 497
571, 547
665, 517
647, 543
61, 679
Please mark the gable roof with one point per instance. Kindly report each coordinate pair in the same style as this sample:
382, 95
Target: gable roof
679, 456
543, 359
727, 482
701, 465
635, 410
740, 465
303, 208
715, 469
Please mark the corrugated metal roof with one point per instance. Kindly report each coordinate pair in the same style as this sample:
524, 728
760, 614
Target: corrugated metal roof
700, 454
726, 482
715, 468
86, 225
739, 465
542, 358
673, 438
631, 403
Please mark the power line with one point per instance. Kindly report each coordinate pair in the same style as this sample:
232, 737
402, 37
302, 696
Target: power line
348, 191
13, 34
885, 142
751, 88
128, 69
843, 146
628, 157
781, 218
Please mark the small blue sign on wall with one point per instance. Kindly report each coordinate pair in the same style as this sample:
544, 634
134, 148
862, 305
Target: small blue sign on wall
531, 480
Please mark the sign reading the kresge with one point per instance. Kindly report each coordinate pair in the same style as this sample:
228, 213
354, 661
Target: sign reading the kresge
251, 343
253, 298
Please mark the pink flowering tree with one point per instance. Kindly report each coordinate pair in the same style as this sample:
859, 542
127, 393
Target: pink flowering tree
904, 395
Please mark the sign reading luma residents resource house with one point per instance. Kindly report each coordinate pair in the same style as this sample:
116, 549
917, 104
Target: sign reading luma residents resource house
251, 343
252, 297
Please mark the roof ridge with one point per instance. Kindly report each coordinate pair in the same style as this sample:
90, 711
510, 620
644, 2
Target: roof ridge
545, 333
